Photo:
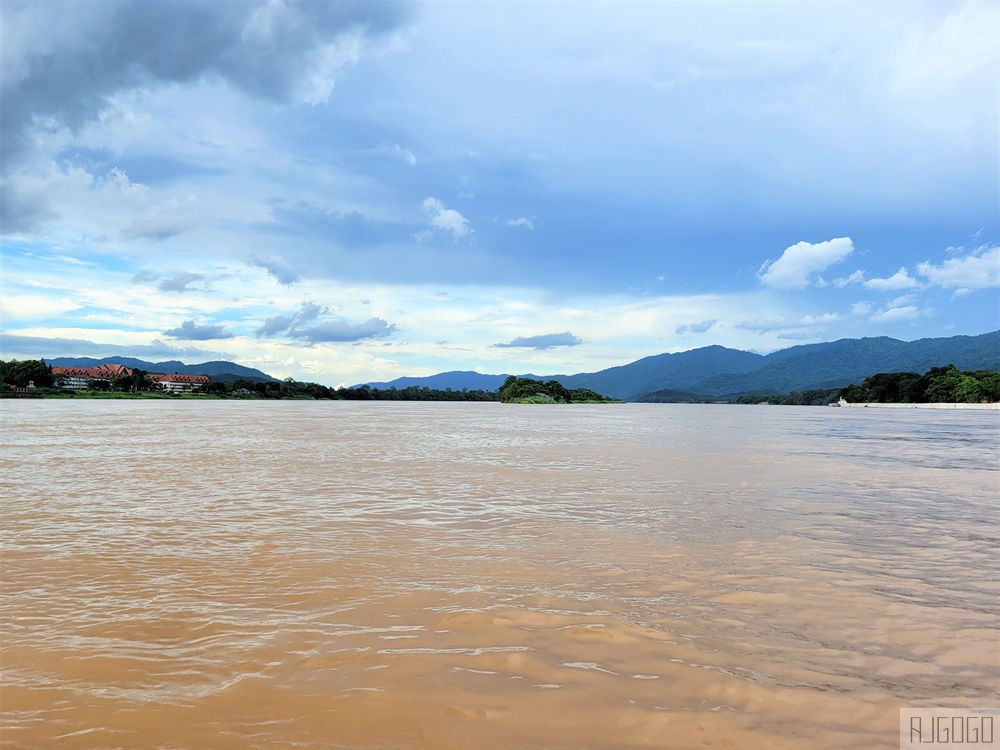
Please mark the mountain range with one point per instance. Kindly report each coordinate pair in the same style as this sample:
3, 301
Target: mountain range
715, 371
709, 372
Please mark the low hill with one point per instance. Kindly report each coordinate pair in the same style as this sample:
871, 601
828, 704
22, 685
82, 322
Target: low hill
671, 396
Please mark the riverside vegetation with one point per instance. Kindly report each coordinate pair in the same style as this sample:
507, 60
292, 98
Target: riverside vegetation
945, 384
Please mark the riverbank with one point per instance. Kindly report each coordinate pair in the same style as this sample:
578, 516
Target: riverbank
876, 405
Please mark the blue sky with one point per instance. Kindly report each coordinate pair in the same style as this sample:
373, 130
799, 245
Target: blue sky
356, 191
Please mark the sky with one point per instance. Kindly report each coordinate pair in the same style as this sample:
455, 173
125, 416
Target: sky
342, 192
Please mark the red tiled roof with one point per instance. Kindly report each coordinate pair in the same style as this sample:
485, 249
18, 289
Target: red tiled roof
178, 378
114, 370
101, 371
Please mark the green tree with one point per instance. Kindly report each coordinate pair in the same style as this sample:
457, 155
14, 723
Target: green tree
22, 373
215, 388
943, 382
970, 391
135, 382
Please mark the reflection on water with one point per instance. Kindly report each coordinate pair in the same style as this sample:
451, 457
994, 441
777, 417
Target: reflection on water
343, 575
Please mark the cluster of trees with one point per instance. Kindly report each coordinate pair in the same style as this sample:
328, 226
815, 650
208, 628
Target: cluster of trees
19, 374
526, 390
947, 385
939, 384
137, 382
415, 393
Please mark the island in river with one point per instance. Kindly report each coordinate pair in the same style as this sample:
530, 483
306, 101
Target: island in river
517, 390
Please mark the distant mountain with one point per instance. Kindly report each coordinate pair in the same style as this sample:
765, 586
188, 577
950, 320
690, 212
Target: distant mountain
218, 370
680, 371
715, 371
676, 371
711, 371
839, 363
455, 379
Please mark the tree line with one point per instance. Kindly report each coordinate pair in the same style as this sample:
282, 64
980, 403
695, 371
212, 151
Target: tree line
946, 384
811, 397
290, 388
938, 385
19, 374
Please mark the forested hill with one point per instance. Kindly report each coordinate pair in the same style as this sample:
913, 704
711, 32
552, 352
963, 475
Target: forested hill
719, 371
839, 363
681, 371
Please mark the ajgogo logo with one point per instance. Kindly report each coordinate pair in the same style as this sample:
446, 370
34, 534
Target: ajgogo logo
948, 728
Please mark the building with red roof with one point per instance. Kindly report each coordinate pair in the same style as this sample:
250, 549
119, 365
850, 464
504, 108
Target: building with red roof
82, 377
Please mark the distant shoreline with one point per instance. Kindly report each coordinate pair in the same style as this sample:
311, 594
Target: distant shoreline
935, 405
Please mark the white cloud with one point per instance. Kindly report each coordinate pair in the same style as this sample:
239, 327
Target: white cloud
446, 219
786, 322
696, 327
896, 314
793, 269
860, 308
544, 341
818, 320
191, 331
521, 221
979, 270
407, 155
32, 307
939, 69
899, 280
901, 308
858, 277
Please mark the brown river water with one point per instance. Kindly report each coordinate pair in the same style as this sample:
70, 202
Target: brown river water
191, 575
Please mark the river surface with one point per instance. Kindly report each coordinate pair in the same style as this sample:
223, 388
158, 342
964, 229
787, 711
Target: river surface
284, 575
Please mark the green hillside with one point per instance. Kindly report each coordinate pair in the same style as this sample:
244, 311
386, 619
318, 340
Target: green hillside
839, 363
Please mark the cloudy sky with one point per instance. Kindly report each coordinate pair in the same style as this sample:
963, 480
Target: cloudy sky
350, 191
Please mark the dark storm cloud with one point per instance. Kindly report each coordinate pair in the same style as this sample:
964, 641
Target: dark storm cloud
280, 323
190, 331
341, 331
12, 345
545, 341
63, 60
145, 276
179, 282
697, 327
279, 268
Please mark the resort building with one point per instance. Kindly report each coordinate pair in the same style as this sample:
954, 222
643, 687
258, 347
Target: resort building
82, 377
177, 383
